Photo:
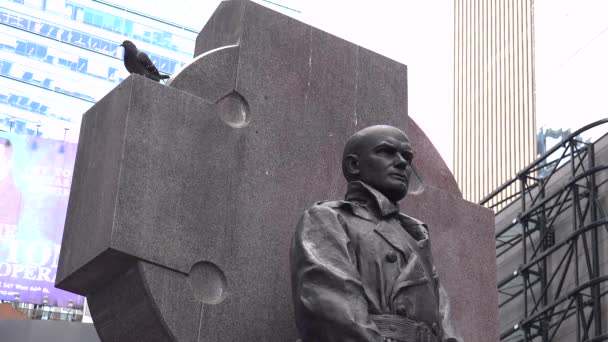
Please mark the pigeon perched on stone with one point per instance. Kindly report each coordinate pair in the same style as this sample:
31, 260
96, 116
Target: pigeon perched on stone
137, 62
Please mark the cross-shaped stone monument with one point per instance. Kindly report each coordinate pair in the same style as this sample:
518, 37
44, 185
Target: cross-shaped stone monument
185, 196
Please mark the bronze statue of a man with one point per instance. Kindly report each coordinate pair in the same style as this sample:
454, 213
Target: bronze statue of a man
361, 270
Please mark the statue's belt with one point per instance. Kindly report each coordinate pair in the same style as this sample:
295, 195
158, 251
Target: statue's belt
400, 328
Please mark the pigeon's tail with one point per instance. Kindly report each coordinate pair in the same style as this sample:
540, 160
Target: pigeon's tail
164, 77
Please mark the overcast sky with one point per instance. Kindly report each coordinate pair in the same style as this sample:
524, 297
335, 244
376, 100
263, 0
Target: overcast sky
571, 62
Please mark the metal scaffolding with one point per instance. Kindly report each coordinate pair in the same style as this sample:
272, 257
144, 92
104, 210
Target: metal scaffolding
557, 288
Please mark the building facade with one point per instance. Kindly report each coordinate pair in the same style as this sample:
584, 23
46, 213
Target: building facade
494, 105
58, 57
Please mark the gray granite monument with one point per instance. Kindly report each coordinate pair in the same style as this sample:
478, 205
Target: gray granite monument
185, 196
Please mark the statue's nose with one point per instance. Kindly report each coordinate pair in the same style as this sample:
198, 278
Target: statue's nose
401, 162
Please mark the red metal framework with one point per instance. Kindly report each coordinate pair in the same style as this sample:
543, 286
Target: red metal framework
556, 292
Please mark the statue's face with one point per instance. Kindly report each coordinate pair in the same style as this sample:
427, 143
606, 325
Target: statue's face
384, 162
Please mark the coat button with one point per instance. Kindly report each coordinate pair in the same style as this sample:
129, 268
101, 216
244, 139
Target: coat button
391, 257
401, 310
392, 327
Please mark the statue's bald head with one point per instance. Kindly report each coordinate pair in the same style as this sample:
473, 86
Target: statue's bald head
363, 140
378, 155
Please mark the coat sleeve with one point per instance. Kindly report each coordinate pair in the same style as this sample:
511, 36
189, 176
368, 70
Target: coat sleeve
329, 300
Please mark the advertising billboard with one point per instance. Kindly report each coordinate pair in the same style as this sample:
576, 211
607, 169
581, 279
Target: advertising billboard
35, 179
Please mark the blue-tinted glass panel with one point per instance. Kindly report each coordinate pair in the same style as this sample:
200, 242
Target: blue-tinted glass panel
31, 49
23, 23
78, 13
111, 73
64, 36
19, 127
74, 37
5, 67
41, 51
21, 48
97, 20
118, 25
82, 65
45, 29
128, 28
84, 40
32, 26
54, 32
13, 20
88, 17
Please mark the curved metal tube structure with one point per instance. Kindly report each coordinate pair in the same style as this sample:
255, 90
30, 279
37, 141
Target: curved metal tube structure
561, 280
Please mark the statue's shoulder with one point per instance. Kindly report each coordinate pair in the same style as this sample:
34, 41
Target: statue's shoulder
338, 207
329, 206
333, 204
410, 221
322, 213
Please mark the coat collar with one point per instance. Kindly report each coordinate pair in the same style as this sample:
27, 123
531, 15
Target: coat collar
370, 204
371, 199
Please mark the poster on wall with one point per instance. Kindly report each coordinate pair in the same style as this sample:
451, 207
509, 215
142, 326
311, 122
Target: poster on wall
35, 179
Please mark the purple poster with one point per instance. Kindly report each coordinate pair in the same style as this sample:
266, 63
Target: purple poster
35, 179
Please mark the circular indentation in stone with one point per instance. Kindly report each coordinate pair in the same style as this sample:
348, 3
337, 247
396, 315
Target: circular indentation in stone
234, 110
208, 282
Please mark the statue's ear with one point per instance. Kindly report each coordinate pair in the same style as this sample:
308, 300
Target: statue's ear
351, 165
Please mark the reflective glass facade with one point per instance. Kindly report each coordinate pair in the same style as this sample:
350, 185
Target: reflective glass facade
58, 57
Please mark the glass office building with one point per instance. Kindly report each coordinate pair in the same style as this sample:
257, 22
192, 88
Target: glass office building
58, 57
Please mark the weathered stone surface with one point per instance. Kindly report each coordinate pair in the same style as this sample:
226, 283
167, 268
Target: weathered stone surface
428, 162
158, 300
136, 179
464, 253
189, 197
463, 242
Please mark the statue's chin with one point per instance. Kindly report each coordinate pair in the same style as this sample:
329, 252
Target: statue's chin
397, 198
395, 194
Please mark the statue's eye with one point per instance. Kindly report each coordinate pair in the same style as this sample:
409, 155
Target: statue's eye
385, 150
407, 156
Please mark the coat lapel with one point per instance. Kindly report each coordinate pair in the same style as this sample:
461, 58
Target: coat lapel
416, 229
389, 234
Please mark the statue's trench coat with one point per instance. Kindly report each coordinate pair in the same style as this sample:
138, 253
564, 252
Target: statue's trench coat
359, 257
